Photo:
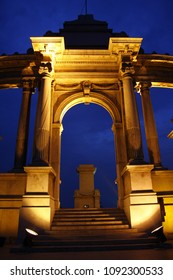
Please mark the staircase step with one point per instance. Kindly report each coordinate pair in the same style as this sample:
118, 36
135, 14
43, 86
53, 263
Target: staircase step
95, 218
72, 211
97, 233
87, 215
84, 222
89, 241
89, 226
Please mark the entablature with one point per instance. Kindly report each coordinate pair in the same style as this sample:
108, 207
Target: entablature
14, 67
98, 66
155, 68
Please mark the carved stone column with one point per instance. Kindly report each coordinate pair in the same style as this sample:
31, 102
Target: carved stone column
43, 117
57, 129
150, 126
23, 126
133, 133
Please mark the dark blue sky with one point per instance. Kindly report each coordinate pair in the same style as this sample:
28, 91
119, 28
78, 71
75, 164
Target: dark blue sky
88, 127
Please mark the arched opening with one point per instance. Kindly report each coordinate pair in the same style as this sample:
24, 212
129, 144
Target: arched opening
87, 138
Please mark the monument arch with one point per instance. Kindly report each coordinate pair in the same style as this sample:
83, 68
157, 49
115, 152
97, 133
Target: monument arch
97, 120
117, 127
95, 72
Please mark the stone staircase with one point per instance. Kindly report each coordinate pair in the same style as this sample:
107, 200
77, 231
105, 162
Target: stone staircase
89, 219
91, 230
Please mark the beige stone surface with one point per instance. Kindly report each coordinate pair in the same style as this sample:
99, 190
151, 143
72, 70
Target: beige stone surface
145, 217
12, 183
162, 180
40, 180
137, 178
9, 220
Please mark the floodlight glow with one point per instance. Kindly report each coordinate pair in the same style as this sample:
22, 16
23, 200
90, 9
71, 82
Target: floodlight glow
156, 229
30, 231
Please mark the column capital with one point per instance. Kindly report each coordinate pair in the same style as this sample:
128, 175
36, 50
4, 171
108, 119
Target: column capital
46, 69
142, 86
127, 70
126, 66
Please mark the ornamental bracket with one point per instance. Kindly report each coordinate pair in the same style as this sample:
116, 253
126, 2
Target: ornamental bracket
86, 86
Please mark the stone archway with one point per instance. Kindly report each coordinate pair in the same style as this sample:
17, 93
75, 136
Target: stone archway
60, 109
87, 138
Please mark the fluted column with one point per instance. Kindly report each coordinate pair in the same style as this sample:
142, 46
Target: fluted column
43, 117
23, 126
133, 132
150, 126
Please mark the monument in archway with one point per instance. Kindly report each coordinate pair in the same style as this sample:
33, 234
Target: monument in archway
86, 63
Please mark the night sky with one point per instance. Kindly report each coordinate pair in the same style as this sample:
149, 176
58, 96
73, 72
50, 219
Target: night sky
87, 127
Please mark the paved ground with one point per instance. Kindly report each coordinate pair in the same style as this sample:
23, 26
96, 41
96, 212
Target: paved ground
147, 254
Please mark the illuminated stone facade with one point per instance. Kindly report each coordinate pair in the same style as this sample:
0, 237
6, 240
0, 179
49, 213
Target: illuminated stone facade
85, 73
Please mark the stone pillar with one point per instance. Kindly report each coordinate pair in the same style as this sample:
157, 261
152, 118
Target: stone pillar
86, 196
150, 126
133, 133
23, 126
86, 177
43, 118
57, 129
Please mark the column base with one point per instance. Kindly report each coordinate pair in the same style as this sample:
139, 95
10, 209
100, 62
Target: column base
40, 179
38, 205
36, 214
143, 211
140, 201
